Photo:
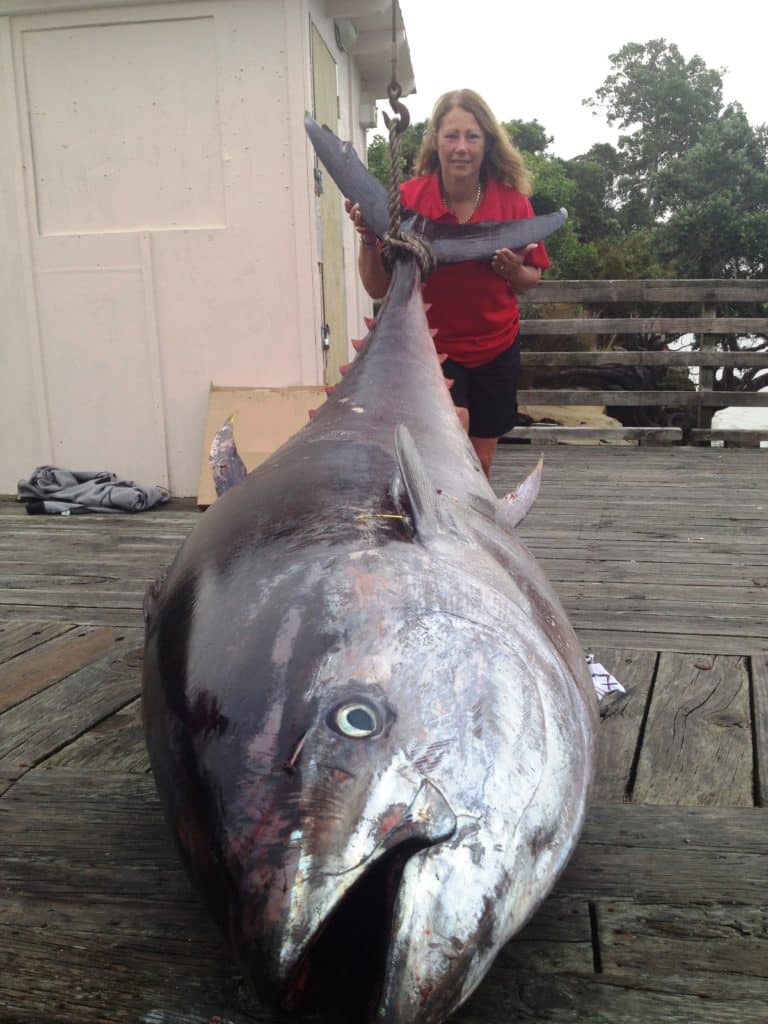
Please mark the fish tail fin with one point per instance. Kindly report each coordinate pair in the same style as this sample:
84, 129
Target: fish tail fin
227, 468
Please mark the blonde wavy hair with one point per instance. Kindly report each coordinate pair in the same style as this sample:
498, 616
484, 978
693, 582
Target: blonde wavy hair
502, 160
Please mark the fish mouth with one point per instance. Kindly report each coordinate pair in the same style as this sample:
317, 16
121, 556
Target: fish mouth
340, 974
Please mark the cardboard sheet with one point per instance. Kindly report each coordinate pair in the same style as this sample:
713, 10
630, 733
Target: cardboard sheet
265, 419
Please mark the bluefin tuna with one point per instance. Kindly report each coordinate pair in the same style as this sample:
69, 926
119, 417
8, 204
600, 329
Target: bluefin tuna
370, 722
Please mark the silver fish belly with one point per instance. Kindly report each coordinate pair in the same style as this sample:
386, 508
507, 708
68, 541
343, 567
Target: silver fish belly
369, 719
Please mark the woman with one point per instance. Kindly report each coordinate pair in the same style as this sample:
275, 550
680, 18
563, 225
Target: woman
467, 171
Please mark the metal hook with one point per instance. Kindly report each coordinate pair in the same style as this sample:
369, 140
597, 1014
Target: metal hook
394, 92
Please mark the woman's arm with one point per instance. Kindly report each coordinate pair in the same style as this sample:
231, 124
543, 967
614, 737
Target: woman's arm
372, 273
519, 275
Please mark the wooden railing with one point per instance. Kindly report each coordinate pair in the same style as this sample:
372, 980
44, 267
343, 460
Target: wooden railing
707, 297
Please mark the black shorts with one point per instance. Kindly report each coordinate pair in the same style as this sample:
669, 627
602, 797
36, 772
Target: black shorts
488, 391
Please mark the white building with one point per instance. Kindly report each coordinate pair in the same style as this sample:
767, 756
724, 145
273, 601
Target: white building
159, 223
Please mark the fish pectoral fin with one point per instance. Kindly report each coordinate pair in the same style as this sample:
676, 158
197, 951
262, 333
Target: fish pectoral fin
421, 492
514, 507
227, 468
151, 597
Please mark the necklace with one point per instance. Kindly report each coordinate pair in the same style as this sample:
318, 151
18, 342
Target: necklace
478, 197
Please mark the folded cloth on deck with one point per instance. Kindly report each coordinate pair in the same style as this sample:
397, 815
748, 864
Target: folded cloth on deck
57, 491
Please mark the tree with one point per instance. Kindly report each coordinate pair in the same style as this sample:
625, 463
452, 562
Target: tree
572, 255
529, 136
664, 104
717, 194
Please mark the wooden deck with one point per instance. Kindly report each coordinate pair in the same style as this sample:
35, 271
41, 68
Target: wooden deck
660, 556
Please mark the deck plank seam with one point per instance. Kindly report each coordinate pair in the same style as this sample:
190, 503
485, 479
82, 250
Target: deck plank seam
634, 768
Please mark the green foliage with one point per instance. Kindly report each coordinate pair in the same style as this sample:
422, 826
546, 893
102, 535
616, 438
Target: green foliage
378, 153
529, 136
664, 103
717, 194
572, 256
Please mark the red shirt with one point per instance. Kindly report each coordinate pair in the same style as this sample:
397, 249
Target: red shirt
475, 312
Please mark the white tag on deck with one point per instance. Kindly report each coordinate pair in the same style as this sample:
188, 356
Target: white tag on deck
602, 679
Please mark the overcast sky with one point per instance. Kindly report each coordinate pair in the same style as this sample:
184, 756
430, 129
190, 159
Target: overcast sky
540, 60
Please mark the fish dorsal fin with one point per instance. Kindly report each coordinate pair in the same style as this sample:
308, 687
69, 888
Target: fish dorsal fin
422, 493
514, 507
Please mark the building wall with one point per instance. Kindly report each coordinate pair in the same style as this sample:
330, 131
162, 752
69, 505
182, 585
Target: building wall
157, 225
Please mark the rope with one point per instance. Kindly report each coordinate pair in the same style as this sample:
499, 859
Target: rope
394, 243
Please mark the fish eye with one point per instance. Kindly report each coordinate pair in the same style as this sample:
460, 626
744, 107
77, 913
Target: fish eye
355, 718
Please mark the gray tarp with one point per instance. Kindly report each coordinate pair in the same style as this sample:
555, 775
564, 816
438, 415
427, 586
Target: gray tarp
65, 492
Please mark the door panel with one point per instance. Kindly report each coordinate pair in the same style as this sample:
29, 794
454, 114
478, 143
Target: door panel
331, 257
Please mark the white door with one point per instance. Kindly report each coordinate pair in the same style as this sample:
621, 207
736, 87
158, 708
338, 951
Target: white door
164, 198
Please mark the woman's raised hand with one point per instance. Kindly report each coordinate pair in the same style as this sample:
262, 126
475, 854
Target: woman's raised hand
367, 237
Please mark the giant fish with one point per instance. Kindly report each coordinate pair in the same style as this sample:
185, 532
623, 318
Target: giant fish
370, 722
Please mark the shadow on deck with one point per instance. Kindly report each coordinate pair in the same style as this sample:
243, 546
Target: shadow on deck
660, 557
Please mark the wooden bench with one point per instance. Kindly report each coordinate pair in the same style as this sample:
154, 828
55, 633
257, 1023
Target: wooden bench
594, 296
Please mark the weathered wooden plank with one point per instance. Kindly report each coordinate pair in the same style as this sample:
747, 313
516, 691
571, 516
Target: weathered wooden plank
647, 325
130, 596
649, 552
621, 721
115, 745
666, 399
697, 747
732, 436
672, 856
752, 631
741, 600
546, 432
558, 938
100, 961
46, 721
759, 678
18, 637
99, 582
650, 290
34, 670
10, 503
614, 357
643, 637
670, 939
575, 569
122, 618
572, 998
78, 565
